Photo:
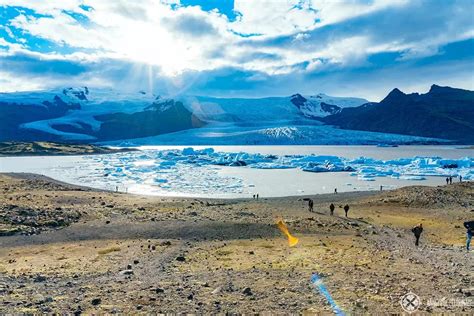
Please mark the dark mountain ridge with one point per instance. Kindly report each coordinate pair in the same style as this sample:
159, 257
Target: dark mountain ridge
443, 112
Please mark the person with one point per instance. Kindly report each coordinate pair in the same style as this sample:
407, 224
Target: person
381, 188
460, 178
331, 208
254, 196
257, 196
470, 231
335, 190
346, 209
310, 205
447, 180
450, 180
417, 230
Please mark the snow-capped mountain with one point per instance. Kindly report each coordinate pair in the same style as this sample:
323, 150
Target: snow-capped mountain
106, 116
83, 114
322, 105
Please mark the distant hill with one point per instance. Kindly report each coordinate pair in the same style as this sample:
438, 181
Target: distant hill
443, 112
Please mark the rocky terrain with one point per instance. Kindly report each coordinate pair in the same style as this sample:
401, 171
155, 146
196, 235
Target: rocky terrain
48, 148
77, 250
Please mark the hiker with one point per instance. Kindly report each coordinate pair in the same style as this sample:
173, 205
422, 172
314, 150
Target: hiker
257, 196
335, 190
254, 196
450, 180
346, 209
381, 188
331, 208
470, 231
417, 230
310, 205
447, 181
460, 178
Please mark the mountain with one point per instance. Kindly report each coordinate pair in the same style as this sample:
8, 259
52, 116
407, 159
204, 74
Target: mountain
89, 115
82, 114
322, 105
443, 112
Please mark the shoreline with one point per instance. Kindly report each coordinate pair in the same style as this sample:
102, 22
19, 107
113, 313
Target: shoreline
36, 176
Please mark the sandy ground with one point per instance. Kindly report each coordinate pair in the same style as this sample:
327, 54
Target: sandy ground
69, 249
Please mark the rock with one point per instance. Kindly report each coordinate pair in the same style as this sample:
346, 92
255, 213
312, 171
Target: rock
129, 267
136, 261
107, 222
180, 258
158, 290
216, 290
193, 214
39, 278
247, 291
166, 243
153, 247
126, 272
96, 301
190, 297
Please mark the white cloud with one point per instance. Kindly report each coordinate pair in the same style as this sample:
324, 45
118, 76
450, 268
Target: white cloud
176, 39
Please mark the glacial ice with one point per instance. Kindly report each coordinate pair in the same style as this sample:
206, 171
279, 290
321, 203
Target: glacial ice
196, 170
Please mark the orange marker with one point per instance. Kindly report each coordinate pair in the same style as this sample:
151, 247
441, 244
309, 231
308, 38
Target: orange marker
292, 241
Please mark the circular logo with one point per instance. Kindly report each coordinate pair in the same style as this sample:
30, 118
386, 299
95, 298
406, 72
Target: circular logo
410, 302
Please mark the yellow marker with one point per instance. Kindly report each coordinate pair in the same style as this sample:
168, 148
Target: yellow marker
292, 241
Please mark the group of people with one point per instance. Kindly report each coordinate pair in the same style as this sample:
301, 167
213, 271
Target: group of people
449, 180
331, 207
255, 196
418, 229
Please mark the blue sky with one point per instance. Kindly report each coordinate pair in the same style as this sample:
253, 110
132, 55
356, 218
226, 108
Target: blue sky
248, 48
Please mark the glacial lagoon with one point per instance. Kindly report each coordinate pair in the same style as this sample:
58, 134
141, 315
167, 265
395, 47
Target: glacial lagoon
241, 171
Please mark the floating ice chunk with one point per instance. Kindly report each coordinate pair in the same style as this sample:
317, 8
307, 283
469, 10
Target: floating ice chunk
418, 178
270, 165
365, 161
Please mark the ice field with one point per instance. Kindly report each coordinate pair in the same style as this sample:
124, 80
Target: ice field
210, 172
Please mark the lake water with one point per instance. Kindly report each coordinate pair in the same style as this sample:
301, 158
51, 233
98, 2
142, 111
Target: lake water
151, 172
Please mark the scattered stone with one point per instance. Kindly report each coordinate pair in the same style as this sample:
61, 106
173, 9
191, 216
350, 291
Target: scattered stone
126, 272
180, 258
247, 291
216, 290
96, 301
39, 278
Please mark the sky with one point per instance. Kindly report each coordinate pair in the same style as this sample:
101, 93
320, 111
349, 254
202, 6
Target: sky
238, 48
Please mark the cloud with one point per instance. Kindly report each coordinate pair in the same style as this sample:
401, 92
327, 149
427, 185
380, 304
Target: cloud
183, 44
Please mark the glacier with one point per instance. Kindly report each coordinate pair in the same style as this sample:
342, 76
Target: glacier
291, 120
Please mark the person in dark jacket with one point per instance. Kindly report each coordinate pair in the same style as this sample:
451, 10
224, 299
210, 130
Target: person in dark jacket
447, 180
346, 209
417, 230
331, 208
470, 231
450, 180
310, 205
